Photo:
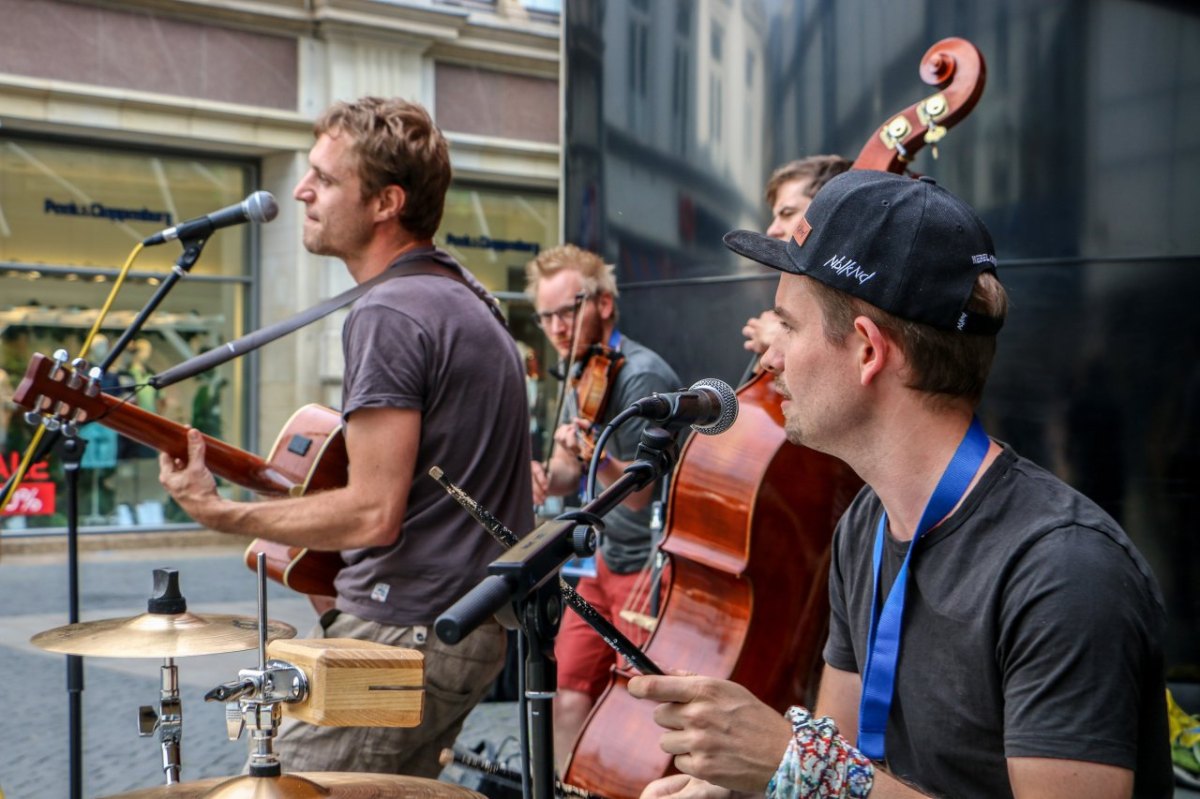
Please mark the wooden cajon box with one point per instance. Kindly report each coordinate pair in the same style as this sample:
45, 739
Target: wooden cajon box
354, 683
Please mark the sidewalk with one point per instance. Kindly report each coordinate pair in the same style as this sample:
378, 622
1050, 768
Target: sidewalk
115, 582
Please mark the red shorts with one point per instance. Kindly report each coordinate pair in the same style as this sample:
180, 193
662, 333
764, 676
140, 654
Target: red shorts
584, 660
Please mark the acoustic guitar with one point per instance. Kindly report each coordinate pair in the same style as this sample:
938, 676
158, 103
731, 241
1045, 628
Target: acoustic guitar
309, 455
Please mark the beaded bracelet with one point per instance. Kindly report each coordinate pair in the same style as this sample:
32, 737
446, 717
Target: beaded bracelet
820, 763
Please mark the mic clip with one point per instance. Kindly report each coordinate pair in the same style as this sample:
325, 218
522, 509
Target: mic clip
657, 454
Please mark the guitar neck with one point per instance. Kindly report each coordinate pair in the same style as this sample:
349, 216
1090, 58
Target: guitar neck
235, 465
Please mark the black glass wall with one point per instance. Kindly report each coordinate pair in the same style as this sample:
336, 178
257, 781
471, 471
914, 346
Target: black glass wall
1083, 157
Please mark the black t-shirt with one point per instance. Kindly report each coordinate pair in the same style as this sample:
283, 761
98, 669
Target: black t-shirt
1032, 628
428, 342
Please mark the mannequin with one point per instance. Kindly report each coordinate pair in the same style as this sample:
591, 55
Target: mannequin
138, 491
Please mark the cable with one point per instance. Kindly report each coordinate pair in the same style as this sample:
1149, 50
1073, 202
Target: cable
14, 482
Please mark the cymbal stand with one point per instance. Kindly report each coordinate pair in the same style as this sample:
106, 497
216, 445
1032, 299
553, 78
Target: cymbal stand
167, 721
256, 698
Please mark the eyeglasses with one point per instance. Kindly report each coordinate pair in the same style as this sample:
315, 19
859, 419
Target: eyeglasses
564, 314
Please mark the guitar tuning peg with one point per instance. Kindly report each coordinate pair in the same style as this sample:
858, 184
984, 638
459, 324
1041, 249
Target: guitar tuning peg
51, 424
33, 418
70, 430
79, 369
94, 375
60, 361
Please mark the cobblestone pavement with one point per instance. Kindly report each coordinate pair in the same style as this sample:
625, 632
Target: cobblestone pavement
34, 738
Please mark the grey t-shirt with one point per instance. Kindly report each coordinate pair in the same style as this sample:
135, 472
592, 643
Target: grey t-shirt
1032, 628
626, 541
428, 342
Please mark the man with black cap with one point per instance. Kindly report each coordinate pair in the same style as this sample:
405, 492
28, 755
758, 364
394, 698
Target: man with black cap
992, 631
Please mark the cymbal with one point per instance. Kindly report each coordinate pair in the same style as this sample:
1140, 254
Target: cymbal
159, 635
338, 785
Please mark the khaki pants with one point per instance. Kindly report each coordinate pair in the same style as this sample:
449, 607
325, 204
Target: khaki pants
456, 678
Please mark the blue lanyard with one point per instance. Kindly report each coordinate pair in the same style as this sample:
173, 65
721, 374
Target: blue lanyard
883, 640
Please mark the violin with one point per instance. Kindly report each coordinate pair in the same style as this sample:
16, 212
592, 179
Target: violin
750, 523
596, 374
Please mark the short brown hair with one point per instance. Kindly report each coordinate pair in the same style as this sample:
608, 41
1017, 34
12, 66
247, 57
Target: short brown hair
816, 169
396, 143
948, 365
597, 275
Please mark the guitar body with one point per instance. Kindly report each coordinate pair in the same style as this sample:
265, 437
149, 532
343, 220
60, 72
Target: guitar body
309, 455
311, 452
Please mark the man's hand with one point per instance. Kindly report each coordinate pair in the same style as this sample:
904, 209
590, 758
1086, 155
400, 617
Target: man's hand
760, 331
541, 483
567, 438
189, 482
717, 730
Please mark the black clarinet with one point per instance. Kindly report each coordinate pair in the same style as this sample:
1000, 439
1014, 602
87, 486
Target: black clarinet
508, 539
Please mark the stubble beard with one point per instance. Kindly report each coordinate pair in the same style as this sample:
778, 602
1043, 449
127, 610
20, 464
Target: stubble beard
314, 243
792, 430
318, 242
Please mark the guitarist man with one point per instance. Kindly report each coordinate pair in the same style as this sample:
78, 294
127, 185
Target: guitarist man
992, 631
431, 378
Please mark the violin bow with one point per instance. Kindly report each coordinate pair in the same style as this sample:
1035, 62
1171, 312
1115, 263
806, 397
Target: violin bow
562, 390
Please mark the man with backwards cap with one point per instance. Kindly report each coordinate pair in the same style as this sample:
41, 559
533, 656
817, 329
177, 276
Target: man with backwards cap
992, 631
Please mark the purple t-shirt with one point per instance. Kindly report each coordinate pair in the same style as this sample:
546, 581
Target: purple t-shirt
428, 342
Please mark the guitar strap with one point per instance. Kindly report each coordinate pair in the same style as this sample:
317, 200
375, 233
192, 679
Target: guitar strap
423, 261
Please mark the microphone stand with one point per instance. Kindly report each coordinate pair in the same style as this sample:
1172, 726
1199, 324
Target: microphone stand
522, 578
72, 450
72, 454
187, 259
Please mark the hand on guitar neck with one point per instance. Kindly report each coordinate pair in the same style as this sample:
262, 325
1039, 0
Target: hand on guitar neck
309, 455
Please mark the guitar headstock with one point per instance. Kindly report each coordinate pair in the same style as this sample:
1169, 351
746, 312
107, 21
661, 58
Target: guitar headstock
57, 395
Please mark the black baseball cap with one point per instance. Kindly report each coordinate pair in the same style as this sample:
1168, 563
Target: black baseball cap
906, 246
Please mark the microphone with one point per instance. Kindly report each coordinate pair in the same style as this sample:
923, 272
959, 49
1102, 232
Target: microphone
258, 207
709, 406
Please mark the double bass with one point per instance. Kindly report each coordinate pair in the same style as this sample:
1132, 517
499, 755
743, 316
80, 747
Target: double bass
750, 523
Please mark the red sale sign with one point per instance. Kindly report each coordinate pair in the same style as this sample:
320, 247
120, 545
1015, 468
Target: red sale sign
10, 463
31, 499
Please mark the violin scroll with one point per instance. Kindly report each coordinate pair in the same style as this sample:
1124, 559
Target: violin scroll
957, 69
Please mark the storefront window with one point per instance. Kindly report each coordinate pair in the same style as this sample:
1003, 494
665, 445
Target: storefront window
69, 217
494, 233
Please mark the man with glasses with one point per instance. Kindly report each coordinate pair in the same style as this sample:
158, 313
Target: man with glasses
432, 378
574, 295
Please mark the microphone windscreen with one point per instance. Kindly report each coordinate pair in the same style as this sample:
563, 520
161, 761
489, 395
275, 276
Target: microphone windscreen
261, 207
729, 406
